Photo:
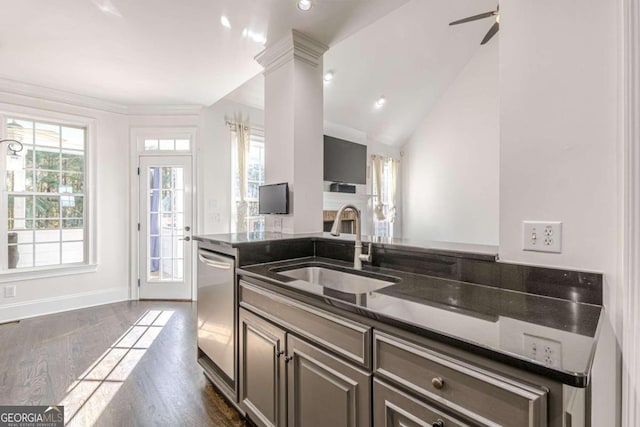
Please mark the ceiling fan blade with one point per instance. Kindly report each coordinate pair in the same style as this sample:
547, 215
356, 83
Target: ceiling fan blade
474, 18
492, 32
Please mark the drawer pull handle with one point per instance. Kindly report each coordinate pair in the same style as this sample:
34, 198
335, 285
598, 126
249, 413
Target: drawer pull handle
438, 383
280, 353
287, 359
438, 423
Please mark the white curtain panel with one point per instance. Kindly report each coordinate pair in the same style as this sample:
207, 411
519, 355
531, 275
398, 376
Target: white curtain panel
394, 168
242, 135
377, 163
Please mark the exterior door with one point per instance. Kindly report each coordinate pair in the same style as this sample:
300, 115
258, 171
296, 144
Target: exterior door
165, 248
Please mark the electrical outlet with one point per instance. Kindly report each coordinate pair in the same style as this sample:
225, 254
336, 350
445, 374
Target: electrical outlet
542, 236
544, 350
10, 291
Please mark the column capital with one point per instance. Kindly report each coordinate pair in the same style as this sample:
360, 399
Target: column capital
295, 45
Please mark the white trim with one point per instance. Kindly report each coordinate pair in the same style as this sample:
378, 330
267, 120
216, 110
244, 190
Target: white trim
294, 45
46, 272
55, 95
41, 307
136, 135
630, 299
164, 110
76, 100
89, 193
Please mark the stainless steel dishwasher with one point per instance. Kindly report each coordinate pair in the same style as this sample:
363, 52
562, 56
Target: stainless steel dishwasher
216, 338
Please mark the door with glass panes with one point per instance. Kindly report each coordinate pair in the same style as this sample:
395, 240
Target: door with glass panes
165, 227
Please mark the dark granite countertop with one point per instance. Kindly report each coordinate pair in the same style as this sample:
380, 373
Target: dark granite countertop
485, 320
471, 251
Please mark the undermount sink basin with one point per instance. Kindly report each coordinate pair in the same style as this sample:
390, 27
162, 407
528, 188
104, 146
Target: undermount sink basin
339, 280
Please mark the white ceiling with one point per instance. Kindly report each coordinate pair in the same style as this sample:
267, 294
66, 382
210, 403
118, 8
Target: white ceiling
159, 51
410, 56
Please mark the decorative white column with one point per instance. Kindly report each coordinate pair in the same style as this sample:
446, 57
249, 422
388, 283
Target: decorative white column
293, 125
631, 235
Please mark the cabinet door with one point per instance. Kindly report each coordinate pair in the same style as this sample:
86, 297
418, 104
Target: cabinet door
324, 390
394, 408
262, 370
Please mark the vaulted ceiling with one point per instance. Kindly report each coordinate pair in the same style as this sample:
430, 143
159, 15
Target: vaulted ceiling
410, 56
159, 51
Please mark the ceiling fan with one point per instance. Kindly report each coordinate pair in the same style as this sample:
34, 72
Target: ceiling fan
494, 28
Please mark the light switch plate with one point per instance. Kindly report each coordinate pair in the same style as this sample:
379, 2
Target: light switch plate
542, 236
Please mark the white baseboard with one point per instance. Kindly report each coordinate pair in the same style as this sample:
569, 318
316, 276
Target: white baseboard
40, 307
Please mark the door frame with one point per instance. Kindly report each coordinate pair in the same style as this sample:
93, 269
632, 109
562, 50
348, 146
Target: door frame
136, 147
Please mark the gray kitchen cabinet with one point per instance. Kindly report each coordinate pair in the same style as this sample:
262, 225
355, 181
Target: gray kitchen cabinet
301, 365
395, 408
323, 390
282, 375
484, 397
262, 371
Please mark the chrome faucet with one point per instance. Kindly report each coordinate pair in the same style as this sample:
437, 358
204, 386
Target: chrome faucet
335, 231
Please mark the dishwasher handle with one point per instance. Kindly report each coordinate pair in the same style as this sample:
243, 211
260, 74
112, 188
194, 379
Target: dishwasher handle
211, 263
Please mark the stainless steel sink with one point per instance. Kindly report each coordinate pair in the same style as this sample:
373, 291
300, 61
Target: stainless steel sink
339, 280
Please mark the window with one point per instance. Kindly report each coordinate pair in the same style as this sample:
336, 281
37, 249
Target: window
167, 145
384, 195
46, 203
253, 222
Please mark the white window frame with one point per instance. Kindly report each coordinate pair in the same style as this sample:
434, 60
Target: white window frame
385, 203
90, 233
258, 132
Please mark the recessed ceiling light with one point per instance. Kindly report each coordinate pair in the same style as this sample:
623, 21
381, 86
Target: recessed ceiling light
225, 21
328, 76
304, 5
380, 102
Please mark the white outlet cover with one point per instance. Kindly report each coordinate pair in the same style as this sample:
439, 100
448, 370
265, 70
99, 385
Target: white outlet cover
542, 236
9, 291
544, 350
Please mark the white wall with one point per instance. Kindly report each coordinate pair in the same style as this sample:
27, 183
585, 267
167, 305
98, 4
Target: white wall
558, 112
214, 163
111, 281
450, 167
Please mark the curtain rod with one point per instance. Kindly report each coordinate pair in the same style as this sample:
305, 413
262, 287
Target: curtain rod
231, 124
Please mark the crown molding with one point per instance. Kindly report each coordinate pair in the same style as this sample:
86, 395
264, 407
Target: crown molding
295, 45
54, 95
46, 94
164, 110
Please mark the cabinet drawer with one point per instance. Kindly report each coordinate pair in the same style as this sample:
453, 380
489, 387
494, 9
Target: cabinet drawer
350, 339
394, 408
484, 397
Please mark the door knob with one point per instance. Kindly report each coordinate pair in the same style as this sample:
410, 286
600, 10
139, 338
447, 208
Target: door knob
186, 239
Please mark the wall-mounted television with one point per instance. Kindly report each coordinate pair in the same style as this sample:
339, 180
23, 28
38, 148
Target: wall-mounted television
344, 161
273, 199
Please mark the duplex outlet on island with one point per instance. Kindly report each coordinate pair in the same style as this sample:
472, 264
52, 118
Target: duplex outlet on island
544, 350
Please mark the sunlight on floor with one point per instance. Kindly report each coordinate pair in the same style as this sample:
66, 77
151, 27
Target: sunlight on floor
87, 397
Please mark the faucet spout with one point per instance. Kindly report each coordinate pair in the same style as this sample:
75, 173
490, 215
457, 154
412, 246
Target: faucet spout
335, 231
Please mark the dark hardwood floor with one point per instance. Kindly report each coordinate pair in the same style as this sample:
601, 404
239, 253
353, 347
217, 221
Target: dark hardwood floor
110, 365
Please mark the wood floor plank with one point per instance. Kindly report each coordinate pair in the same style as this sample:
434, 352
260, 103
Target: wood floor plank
42, 358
